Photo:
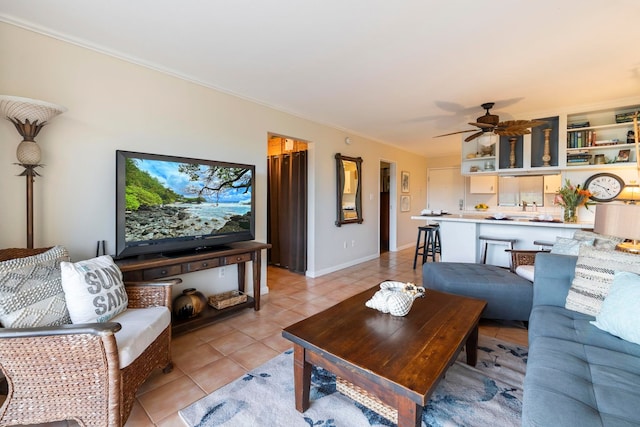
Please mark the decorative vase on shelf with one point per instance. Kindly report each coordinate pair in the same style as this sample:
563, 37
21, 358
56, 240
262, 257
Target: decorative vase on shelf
546, 157
189, 304
570, 214
512, 152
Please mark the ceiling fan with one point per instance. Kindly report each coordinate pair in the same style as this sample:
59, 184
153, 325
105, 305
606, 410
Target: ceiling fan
490, 123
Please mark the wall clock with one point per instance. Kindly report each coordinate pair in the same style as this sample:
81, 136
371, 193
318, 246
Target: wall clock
604, 186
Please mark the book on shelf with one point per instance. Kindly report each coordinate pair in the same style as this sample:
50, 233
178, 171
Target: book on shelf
579, 158
580, 139
579, 154
578, 125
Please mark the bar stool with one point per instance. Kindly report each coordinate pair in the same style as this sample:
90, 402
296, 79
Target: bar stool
488, 240
429, 242
543, 245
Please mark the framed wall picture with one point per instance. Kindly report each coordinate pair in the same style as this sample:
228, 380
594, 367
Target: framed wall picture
404, 181
405, 203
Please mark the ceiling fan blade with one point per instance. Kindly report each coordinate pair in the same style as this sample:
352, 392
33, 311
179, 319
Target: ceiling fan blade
474, 136
513, 131
455, 133
535, 123
482, 125
521, 123
491, 123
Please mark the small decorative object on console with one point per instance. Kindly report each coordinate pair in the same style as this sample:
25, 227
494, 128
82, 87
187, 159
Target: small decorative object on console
189, 304
395, 298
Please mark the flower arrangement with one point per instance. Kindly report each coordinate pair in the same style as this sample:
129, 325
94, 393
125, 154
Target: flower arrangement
571, 197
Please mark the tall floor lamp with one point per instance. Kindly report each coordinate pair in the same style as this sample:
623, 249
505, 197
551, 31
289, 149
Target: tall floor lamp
28, 116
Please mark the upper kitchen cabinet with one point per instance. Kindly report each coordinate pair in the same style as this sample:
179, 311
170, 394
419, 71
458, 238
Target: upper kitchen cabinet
482, 184
552, 183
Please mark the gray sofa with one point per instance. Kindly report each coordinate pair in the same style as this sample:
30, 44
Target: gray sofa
577, 375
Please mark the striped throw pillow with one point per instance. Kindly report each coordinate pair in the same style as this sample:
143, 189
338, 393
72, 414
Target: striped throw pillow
595, 270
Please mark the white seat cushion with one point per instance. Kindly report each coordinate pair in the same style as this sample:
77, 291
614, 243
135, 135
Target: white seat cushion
525, 271
140, 327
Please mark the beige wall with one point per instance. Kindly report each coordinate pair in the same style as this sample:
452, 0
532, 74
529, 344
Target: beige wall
115, 104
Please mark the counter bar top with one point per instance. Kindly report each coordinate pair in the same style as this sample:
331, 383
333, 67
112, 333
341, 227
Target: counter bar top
460, 234
515, 220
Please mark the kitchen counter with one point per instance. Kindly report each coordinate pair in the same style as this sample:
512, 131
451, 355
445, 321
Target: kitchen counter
459, 234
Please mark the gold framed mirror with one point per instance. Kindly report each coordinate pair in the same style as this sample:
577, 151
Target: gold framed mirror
349, 193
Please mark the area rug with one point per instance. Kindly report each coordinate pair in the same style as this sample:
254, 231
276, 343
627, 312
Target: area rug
488, 395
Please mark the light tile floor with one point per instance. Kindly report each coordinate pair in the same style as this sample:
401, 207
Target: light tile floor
213, 356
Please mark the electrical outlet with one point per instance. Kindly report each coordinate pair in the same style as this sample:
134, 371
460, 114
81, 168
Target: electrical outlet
353, 243
345, 244
221, 272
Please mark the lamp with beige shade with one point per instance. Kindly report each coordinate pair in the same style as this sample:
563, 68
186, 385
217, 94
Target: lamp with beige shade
630, 194
620, 220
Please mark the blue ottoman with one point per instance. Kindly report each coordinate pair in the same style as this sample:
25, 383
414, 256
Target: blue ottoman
508, 295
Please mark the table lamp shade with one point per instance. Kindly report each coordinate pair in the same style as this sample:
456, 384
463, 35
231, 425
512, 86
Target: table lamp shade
619, 220
630, 194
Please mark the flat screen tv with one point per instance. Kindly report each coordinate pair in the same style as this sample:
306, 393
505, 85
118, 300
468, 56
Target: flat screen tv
168, 204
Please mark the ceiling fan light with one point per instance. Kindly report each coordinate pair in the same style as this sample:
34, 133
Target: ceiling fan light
488, 139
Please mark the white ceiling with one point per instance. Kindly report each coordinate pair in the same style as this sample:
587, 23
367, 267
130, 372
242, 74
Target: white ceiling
398, 71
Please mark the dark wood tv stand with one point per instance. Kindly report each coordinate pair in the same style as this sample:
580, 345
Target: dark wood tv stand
161, 266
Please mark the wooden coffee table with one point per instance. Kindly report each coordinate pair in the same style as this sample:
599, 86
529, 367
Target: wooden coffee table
399, 360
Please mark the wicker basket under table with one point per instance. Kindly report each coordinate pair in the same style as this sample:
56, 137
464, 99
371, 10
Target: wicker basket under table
227, 299
366, 399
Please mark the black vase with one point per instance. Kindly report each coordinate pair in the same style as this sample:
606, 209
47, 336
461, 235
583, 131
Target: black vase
189, 304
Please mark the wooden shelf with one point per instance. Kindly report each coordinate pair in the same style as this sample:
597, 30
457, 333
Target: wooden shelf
609, 126
600, 147
160, 266
208, 315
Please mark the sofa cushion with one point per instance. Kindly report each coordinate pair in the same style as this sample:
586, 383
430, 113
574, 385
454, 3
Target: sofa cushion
94, 289
140, 327
31, 292
571, 384
508, 296
557, 322
553, 277
594, 274
620, 314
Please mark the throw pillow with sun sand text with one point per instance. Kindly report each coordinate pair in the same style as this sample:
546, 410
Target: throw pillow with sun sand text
94, 289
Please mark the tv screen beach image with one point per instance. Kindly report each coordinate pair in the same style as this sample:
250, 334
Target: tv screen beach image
168, 200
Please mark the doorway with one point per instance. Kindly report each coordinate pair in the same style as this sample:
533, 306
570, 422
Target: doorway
385, 204
287, 177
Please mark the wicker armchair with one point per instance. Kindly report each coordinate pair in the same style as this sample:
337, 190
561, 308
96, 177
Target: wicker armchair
72, 372
523, 257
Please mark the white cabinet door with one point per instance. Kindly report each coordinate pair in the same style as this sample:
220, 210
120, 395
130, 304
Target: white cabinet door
552, 183
485, 184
